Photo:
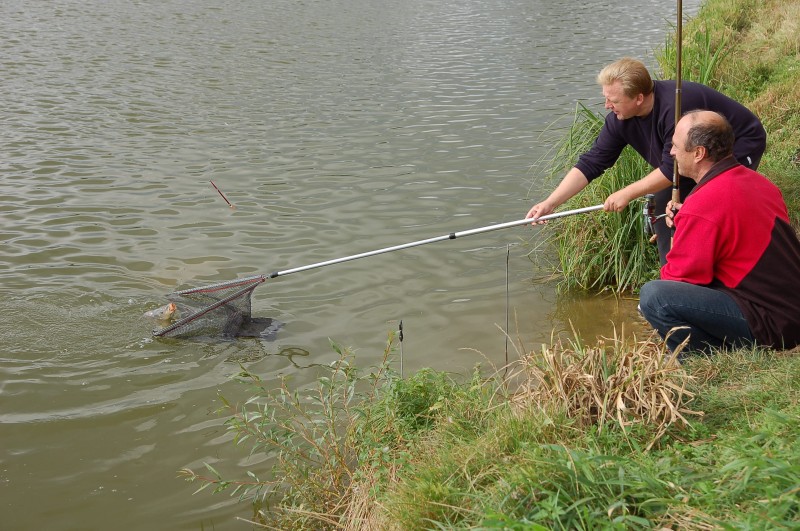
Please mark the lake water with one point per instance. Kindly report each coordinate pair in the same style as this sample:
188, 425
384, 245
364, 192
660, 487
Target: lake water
334, 127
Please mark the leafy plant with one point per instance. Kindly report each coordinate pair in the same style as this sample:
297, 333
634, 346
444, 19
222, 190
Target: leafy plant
309, 437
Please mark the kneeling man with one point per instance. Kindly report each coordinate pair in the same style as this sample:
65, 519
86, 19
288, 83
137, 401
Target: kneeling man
732, 277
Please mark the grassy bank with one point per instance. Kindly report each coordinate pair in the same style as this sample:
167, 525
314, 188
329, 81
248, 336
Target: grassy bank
611, 433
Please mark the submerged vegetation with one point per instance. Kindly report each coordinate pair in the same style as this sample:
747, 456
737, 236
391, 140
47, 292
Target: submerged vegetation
615, 434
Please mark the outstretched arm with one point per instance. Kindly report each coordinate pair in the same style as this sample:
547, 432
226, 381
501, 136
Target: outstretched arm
572, 183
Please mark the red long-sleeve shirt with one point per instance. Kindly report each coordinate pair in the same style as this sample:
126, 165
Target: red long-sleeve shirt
733, 234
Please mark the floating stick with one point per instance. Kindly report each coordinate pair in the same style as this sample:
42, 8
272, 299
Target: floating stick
221, 194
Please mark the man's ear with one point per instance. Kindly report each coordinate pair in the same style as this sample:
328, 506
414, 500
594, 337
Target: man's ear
700, 153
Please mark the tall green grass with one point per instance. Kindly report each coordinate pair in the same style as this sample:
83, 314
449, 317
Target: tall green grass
602, 251
700, 57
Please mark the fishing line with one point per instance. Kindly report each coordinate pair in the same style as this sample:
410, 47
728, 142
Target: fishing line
508, 254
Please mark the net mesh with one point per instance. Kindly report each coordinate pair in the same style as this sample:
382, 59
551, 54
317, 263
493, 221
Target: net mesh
215, 310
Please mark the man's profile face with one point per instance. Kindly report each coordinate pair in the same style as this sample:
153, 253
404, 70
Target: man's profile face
685, 159
617, 102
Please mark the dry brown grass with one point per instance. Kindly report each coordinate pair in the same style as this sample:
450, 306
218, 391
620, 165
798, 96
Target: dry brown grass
362, 510
616, 381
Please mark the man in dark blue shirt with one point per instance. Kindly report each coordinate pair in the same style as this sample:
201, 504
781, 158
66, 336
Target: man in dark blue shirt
643, 116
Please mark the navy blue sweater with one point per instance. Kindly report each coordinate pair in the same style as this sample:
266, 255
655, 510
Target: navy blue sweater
651, 136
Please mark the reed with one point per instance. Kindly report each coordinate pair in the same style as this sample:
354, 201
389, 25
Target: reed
614, 381
598, 436
603, 251
587, 436
519, 460
702, 56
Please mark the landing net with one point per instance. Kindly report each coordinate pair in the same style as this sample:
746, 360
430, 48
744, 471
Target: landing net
213, 310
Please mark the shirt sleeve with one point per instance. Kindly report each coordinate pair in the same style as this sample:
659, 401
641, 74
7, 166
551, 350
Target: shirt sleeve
604, 152
692, 256
667, 165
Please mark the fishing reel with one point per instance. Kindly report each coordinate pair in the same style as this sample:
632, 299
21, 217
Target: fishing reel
650, 217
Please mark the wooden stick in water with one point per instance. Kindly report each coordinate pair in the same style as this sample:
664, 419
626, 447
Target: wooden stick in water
221, 194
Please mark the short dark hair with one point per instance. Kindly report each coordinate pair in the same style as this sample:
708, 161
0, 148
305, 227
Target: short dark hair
715, 135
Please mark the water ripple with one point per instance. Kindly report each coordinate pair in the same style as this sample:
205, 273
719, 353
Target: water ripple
333, 127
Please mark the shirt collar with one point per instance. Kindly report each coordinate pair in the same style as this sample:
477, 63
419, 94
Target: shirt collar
719, 167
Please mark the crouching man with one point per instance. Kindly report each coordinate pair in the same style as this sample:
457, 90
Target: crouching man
732, 276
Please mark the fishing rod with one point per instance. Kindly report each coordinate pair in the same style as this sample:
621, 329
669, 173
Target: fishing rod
676, 193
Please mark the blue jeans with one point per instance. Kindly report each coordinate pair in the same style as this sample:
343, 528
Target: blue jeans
712, 318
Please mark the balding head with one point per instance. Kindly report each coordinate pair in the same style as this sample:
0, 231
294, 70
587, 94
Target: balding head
701, 139
709, 130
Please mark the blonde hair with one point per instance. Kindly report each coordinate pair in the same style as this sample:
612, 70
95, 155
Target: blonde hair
631, 73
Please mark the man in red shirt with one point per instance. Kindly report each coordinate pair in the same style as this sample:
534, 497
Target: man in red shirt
732, 276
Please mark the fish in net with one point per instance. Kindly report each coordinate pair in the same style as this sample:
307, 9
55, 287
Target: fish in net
222, 309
